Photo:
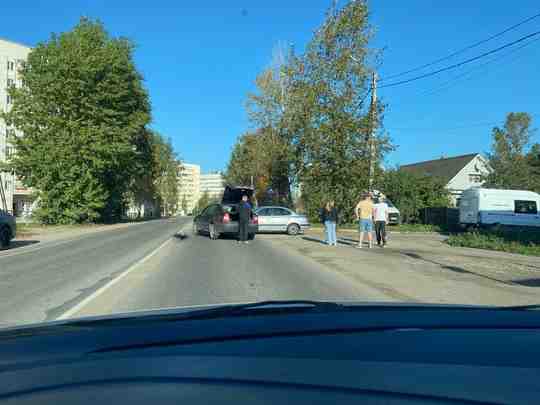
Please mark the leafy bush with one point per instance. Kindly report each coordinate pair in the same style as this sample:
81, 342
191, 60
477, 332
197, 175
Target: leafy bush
525, 242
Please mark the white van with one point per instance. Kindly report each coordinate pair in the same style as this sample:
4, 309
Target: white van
484, 206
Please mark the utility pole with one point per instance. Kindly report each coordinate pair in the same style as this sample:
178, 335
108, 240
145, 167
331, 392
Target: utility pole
372, 129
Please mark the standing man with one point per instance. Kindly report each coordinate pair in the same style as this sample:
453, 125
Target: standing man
364, 215
244, 216
380, 211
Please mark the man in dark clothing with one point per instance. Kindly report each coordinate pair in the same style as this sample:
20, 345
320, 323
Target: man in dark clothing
244, 216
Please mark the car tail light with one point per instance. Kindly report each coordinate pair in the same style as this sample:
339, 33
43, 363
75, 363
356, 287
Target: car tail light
226, 218
255, 220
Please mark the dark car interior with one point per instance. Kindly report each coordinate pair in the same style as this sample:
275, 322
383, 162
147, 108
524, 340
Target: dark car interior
374, 355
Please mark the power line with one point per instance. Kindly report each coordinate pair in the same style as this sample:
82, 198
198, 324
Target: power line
463, 76
461, 50
456, 65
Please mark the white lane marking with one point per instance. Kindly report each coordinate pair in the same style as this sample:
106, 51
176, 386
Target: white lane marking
115, 280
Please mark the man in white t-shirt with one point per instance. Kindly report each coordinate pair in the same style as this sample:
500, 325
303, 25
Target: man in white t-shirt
380, 214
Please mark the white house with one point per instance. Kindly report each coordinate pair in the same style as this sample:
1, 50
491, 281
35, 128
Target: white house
459, 172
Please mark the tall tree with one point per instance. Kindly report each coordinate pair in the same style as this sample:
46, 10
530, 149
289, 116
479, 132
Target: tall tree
510, 166
165, 174
248, 159
328, 113
82, 110
266, 109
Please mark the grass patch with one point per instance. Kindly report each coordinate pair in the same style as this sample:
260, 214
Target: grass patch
525, 242
415, 228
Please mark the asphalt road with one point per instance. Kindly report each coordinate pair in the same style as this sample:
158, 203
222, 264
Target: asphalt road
199, 271
42, 281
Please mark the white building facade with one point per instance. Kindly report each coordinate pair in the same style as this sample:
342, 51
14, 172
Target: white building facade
213, 184
16, 198
189, 187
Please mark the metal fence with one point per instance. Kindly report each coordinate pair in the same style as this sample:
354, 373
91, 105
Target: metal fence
442, 216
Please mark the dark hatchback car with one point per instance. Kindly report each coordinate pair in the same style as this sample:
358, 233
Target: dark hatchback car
222, 218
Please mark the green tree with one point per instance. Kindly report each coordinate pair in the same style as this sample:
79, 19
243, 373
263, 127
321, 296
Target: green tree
533, 160
83, 110
184, 206
165, 174
204, 201
411, 193
328, 114
511, 168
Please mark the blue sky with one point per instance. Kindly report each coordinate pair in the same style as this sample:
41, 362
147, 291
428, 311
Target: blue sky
199, 60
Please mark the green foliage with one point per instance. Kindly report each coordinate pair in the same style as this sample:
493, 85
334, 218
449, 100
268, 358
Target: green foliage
184, 205
204, 201
521, 241
83, 111
165, 174
411, 193
511, 166
329, 116
313, 116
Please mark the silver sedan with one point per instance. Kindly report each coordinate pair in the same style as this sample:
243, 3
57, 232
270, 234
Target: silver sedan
281, 219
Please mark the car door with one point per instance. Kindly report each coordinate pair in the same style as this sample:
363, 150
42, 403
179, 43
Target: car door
263, 215
280, 219
204, 219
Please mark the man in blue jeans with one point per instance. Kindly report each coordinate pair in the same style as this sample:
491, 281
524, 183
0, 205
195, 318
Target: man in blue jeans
364, 215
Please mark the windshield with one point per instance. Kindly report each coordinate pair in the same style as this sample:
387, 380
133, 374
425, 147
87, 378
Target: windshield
155, 154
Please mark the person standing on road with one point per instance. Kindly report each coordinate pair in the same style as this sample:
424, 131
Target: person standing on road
244, 216
380, 214
329, 217
364, 215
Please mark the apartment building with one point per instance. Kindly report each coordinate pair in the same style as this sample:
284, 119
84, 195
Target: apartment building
213, 184
16, 199
189, 183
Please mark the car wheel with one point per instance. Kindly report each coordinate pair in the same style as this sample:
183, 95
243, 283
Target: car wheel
195, 229
4, 237
293, 229
214, 234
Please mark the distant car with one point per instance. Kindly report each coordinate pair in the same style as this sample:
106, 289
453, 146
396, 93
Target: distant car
281, 219
222, 218
8, 229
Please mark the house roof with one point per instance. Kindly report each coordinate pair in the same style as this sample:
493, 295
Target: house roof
445, 168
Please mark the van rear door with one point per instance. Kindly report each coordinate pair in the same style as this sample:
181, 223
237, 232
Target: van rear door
468, 209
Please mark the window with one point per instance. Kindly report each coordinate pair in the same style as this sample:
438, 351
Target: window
525, 207
10, 82
8, 99
280, 211
9, 151
264, 212
475, 178
10, 65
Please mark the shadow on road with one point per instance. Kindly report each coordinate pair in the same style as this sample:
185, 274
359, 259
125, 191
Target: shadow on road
528, 282
21, 243
341, 241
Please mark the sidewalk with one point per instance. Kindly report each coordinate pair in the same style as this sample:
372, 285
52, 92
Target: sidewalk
424, 269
